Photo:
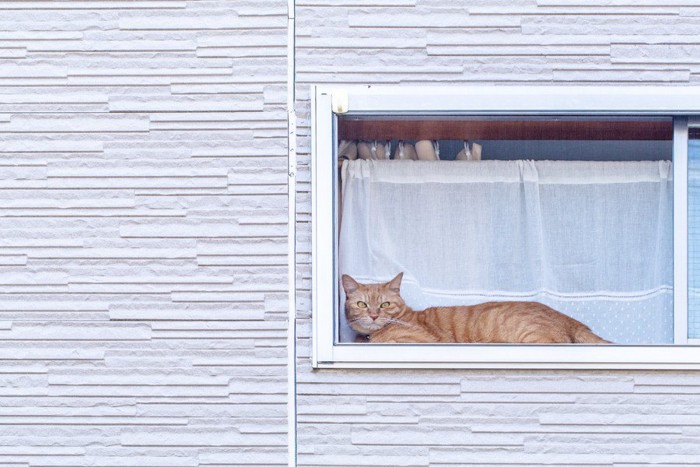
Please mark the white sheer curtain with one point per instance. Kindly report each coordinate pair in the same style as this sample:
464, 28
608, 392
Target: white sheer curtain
591, 239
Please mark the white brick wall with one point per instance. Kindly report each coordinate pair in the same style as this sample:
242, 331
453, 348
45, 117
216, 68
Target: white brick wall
143, 233
508, 418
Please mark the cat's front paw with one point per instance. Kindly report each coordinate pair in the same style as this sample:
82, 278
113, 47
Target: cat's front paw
361, 339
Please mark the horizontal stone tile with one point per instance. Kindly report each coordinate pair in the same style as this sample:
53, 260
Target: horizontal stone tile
219, 22
616, 3
135, 378
611, 24
78, 332
58, 146
517, 50
431, 436
13, 260
96, 5
247, 458
133, 182
199, 437
201, 230
640, 75
69, 125
113, 46
186, 104
367, 460
548, 385
239, 313
677, 53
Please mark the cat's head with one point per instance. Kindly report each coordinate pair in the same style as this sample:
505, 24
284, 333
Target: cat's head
370, 307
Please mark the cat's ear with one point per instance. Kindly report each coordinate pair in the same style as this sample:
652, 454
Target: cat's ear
395, 283
349, 284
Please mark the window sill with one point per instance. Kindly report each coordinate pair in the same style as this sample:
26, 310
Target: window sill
513, 356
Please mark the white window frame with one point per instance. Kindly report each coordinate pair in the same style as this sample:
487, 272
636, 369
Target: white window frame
682, 103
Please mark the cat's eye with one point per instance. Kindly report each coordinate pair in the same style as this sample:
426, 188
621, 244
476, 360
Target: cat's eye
385, 305
361, 304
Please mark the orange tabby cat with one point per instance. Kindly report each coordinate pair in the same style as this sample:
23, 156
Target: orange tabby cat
378, 311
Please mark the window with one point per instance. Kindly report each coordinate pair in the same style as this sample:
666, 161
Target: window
693, 322
575, 203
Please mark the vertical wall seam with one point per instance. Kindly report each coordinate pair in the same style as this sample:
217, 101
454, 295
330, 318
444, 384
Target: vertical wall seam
291, 239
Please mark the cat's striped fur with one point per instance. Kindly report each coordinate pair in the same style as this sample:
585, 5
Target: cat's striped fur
378, 311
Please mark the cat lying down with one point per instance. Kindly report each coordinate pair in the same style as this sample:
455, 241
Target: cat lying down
379, 312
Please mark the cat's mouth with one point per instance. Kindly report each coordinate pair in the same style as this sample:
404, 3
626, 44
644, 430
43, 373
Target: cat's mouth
367, 326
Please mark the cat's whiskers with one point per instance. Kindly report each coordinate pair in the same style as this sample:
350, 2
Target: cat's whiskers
398, 321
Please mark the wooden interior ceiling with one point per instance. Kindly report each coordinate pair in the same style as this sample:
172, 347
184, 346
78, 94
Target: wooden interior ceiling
414, 129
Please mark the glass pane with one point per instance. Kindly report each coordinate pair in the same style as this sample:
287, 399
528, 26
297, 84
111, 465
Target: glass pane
694, 234
572, 213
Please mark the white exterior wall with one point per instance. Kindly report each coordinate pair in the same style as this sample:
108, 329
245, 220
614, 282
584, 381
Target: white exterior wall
143, 235
509, 418
143, 212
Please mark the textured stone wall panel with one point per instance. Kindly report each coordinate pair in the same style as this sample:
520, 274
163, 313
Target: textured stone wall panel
143, 233
507, 418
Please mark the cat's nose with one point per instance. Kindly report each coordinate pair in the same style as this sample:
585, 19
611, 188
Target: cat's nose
374, 318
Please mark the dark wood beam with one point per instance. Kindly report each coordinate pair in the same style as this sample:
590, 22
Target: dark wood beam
413, 129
